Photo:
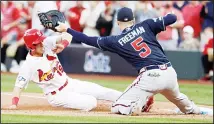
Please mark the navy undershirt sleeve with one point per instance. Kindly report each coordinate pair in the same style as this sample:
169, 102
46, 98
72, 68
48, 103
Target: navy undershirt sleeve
92, 41
102, 43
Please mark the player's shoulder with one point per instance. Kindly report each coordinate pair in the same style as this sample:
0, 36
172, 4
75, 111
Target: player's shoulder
152, 21
145, 22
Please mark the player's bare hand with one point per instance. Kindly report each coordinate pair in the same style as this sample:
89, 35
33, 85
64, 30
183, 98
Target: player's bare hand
59, 48
62, 27
12, 107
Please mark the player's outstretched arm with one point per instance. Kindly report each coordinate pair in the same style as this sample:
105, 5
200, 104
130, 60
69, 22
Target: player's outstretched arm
92, 41
23, 78
62, 42
15, 97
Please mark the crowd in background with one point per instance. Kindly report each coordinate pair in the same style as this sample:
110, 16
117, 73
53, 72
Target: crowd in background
191, 32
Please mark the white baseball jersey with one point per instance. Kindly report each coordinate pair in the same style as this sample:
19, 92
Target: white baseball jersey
46, 71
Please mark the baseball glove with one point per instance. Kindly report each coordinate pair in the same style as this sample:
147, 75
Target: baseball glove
50, 19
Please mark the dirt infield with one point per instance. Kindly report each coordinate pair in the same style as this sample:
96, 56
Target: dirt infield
36, 104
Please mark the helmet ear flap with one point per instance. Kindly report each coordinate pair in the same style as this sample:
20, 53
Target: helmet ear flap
30, 47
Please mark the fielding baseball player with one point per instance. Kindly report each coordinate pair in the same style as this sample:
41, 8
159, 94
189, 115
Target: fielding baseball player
138, 45
43, 67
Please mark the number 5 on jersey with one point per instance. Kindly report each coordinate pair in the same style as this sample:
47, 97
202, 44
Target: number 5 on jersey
139, 45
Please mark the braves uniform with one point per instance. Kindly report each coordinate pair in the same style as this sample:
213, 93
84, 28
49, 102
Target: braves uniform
60, 90
138, 46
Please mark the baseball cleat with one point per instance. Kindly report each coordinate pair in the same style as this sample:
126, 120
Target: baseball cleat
203, 111
148, 106
206, 111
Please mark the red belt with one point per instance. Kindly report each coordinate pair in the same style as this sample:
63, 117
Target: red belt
54, 92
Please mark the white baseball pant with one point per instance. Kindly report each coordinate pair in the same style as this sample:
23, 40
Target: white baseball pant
81, 95
150, 83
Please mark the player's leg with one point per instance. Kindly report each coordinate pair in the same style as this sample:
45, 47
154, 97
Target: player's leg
134, 97
98, 91
69, 99
131, 102
149, 101
173, 94
181, 101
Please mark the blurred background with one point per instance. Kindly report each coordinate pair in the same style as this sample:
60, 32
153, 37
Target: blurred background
188, 42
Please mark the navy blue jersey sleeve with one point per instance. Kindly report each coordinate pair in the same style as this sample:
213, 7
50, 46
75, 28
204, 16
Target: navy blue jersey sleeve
105, 43
102, 43
159, 24
80, 37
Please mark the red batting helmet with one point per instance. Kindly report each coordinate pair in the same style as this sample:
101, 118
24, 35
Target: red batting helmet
33, 37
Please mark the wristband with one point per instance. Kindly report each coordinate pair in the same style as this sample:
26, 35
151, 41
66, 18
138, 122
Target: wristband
15, 100
65, 43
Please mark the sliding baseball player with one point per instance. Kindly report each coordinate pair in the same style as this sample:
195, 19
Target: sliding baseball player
43, 67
